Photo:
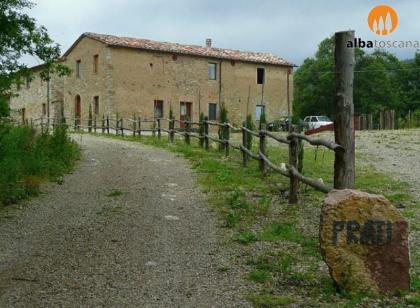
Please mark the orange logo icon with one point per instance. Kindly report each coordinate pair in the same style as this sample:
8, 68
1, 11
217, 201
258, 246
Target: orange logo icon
382, 19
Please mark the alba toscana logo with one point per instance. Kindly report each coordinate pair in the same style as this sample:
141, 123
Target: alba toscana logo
382, 20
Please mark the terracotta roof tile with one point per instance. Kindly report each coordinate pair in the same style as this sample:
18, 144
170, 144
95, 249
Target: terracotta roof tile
229, 54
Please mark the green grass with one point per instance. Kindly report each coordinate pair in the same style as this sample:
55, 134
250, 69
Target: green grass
267, 301
28, 158
245, 237
115, 193
278, 242
259, 276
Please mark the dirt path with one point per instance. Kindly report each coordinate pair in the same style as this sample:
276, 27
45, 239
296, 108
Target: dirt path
153, 246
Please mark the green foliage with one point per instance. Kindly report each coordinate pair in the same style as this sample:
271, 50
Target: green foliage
4, 108
251, 126
268, 300
381, 81
259, 276
245, 237
115, 193
19, 36
28, 158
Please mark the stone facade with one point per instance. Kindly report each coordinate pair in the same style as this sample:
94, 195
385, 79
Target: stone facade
126, 80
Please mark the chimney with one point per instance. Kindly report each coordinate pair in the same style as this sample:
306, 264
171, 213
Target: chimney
208, 43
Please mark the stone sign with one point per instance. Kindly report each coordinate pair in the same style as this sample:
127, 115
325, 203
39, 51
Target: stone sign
364, 241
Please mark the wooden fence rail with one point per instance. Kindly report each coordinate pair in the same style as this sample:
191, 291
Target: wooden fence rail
136, 126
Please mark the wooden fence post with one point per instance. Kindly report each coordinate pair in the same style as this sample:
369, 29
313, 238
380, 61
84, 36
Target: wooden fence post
172, 128
139, 126
293, 162
201, 134
107, 124
206, 133
122, 126
245, 145
103, 124
158, 125
263, 147
381, 119
344, 164
187, 132
134, 126
226, 136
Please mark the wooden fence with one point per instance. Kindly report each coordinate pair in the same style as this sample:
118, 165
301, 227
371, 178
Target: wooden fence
201, 131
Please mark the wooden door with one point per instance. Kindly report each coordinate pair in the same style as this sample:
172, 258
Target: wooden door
78, 110
185, 112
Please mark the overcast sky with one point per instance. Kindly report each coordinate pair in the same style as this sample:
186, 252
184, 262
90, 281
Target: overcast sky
289, 28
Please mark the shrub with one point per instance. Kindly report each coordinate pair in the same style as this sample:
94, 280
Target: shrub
27, 158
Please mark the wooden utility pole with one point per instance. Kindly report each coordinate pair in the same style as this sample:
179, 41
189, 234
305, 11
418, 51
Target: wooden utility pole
289, 109
344, 166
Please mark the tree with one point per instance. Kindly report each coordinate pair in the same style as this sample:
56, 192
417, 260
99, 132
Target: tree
19, 36
409, 79
4, 108
376, 82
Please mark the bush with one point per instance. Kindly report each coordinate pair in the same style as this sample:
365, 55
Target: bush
4, 108
28, 158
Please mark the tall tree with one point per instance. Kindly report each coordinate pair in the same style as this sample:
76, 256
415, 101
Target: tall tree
377, 82
20, 36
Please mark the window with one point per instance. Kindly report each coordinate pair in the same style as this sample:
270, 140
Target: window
258, 111
96, 105
44, 109
260, 75
212, 68
95, 63
78, 64
158, 109
212, 111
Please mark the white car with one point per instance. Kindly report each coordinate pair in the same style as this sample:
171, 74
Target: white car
313, 122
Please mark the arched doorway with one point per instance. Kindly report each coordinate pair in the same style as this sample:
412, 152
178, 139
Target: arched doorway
77, 110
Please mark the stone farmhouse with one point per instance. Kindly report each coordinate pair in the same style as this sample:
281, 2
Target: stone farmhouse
137, 76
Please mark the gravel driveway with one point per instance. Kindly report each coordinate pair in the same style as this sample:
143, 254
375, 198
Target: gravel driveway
155, 245
396, 152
